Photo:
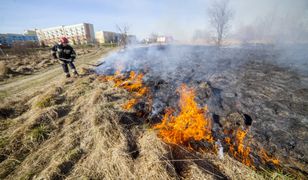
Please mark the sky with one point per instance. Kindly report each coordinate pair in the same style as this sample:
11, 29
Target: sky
179, 18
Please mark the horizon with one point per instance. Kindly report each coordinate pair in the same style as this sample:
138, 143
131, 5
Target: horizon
173, 18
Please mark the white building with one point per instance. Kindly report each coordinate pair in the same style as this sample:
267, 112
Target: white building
106, 37
77, 34
164, 39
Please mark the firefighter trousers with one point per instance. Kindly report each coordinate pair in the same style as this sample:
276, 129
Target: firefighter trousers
65, 67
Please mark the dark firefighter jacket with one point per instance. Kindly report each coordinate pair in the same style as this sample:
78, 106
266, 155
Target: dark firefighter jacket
66, 52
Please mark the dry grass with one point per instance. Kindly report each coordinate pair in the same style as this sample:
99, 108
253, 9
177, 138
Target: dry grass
153, 162
85, 134
3, 69
232, 168
52, 97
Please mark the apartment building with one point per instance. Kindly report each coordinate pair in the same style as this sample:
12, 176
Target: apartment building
77, 34
9, 39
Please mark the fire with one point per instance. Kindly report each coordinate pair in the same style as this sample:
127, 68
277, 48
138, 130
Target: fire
238, 149
132, 84
266, 158
117, 77
190, 124
130, 104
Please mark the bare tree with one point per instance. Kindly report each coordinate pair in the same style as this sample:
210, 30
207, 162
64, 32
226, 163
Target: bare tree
123, 35
220, 16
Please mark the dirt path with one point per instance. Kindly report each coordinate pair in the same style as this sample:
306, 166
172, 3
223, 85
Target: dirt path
22, 84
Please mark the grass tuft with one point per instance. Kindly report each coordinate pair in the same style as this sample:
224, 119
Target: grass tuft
50, 98
276, 174
3, 142
45, 102
39, 133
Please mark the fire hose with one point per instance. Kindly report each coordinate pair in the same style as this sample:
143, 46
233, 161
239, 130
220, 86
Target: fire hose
96, 65
70, 60
67, 60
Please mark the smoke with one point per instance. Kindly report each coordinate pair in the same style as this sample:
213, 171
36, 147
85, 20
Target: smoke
220, 149
201, 62
283, 32
269, 22
275, 29
163, 61
293, 57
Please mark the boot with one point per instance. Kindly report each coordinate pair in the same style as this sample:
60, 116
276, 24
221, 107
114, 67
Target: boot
68, 75
76, 73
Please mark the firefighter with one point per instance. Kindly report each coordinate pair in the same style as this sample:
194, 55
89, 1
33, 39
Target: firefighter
66, 55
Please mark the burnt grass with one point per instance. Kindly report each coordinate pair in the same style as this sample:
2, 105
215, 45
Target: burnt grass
265, 85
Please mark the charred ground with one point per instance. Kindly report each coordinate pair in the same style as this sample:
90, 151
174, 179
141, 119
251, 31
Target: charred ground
250, 87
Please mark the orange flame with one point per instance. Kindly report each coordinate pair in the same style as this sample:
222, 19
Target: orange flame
189, 124
132, 84
130, 104
266, 158
116, 78
238, 148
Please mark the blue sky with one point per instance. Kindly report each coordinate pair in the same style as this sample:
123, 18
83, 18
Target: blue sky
179, 18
